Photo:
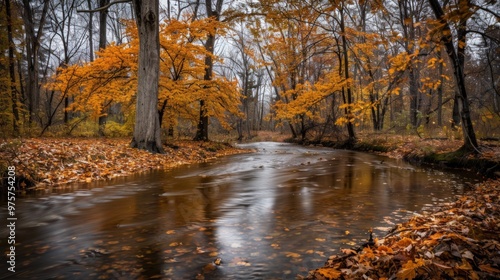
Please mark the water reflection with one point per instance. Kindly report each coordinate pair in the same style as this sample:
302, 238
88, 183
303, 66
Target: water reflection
272, 214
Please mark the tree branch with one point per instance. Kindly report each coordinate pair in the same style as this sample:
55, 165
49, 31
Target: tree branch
104, 7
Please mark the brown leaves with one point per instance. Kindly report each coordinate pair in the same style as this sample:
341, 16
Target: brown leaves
51, 161
460, 241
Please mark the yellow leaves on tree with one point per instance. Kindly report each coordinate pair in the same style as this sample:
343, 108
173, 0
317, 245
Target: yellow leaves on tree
112, 77
94, 85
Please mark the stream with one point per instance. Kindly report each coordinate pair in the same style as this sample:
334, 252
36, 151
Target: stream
272, 214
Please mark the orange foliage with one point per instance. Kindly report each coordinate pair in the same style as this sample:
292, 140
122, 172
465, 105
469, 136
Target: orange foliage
112, 77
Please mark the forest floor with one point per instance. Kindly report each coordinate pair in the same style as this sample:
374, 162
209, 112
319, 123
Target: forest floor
55, 162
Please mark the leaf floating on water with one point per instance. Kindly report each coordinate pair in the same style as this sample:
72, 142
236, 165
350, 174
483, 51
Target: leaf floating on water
170, 232
292, 255
320, 239
218, 261
243, 263
173, 244
320, 253
213, 254
209, 267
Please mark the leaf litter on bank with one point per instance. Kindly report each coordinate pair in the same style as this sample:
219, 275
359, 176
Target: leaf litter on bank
47, 162
458, 241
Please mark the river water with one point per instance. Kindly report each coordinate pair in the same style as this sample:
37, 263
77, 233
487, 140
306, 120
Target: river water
272, 214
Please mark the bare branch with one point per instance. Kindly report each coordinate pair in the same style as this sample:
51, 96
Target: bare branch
104, 7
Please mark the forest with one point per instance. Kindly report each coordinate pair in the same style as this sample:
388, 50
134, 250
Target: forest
317, 70
116, 117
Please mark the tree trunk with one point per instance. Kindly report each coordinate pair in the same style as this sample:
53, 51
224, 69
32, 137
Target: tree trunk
202, 129
103, 16
350, 126
440, 92
32, 53
470, 142
12, 70
407, 23
147, 122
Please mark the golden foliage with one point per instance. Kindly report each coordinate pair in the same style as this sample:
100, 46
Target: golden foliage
112, 77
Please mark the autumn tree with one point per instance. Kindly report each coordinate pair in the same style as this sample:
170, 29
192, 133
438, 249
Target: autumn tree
112, 76
183, 68
213, 12
446, 36
294, 48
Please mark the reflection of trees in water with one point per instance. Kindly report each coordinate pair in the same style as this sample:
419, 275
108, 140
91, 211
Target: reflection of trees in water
349, 171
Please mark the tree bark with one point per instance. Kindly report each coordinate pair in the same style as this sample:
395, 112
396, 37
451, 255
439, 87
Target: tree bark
202, 129
147, 122
348, 110
32, 53
12, 70
470, 142
440, 92
103, 16
407, 23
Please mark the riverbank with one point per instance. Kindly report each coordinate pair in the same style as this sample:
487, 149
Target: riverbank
461, 240
54, 162
441, 153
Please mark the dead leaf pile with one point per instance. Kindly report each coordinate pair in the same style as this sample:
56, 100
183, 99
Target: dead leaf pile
51, 162
459, 241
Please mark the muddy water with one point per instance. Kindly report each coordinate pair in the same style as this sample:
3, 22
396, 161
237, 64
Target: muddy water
271, 214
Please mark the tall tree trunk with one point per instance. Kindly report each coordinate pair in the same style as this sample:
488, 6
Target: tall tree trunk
440, 92
407, 22
103, 16
12, 70
147, 122
470, 142
202, 129
32, 53
348, 101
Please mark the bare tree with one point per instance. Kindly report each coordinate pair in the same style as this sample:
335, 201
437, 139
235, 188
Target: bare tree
12, 72
34, 28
